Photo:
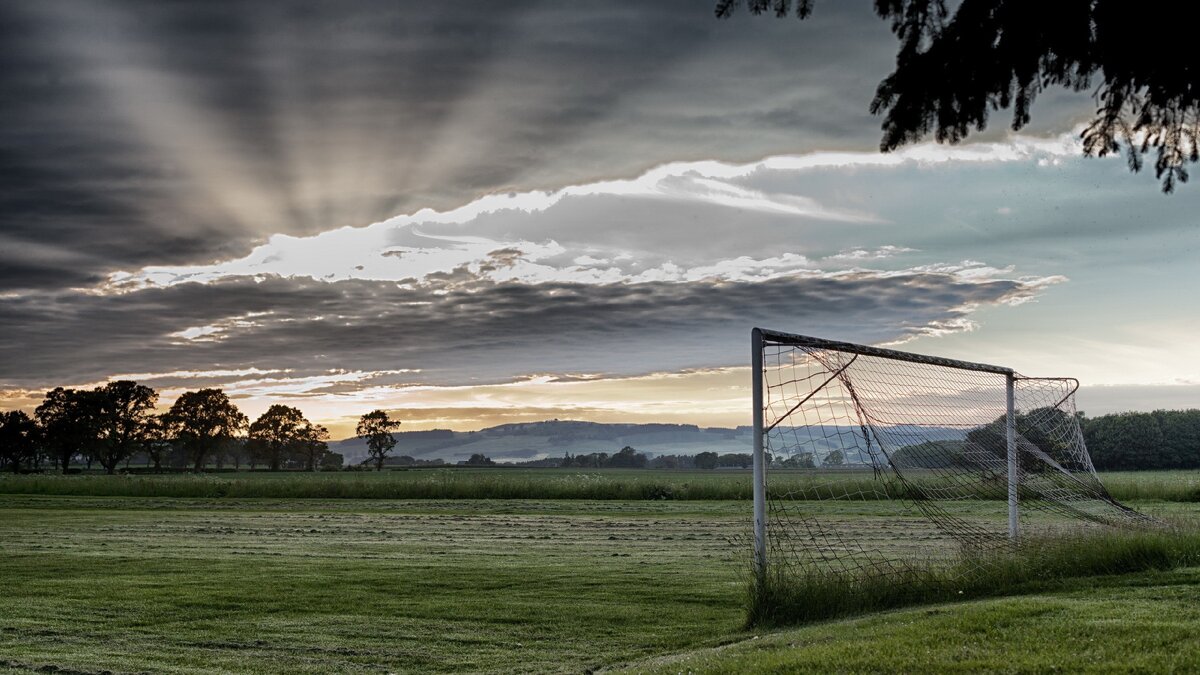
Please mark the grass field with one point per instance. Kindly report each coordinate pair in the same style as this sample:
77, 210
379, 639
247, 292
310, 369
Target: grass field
516, 483
307, 585
1143, 623
320, 586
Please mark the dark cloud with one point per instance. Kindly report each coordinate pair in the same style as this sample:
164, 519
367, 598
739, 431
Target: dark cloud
138, 132
459, 332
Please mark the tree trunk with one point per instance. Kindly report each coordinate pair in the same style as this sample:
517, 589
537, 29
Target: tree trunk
379, 463
199, 463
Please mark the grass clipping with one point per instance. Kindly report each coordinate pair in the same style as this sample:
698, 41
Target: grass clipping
789, 597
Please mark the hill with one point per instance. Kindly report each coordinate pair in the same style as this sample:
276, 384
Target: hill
554, 438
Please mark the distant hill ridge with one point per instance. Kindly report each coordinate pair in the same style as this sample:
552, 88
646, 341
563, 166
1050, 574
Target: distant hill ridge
521, 441
554, 438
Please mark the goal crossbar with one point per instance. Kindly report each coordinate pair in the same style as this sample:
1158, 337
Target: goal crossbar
780, 338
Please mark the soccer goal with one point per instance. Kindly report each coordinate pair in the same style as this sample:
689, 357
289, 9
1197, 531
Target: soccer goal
870, 459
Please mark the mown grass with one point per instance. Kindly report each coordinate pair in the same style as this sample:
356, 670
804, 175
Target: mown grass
506, 483
790, 596
315, 586
183, 585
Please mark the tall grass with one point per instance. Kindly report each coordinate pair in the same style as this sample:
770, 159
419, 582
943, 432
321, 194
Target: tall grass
789, 597
506, 483
1169, 486
424, 484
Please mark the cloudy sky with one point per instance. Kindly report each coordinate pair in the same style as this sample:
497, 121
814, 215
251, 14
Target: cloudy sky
470, 216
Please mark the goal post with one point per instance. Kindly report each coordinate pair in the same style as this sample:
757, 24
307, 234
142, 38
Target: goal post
931, 442
760, 463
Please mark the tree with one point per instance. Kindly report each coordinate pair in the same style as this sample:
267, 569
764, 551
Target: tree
157, 442
706, 460
276, 433
627, 458
69, 421
835, 458
123, 420
480, 459
310, 443
19, 436
804, 460
933, 455
737, 459
332, 461
1050, 429
954, 67
376, 428
203, 420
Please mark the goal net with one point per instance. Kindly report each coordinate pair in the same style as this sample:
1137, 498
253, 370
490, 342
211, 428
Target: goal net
871, 461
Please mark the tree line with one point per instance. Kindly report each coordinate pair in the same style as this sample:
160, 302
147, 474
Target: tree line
628, 458
110, 424
1163, 439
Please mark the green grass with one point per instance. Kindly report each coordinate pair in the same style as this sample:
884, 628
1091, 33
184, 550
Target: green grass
510, 483
332, 586
614, 484
155, 584
788, 596
1143, 623
1174, 486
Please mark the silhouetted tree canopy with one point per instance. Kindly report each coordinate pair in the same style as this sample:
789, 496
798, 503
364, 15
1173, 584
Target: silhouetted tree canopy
70, 423
157, 442
203, 420
479, 459
954, 67
19, 438
311, 444
124, 411
282, 432
376, 428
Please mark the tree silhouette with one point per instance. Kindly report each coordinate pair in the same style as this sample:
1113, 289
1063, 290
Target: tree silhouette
123, 419
955, 67
479, 459
70, 424
157, 441
203, 420
283, 432
19, 437
311, 444
376, 428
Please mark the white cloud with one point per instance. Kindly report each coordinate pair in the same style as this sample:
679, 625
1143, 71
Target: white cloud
405, 249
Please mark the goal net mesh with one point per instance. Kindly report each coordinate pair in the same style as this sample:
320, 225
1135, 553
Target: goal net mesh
878, 464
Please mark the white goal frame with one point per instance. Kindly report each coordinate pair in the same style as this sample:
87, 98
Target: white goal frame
760, 337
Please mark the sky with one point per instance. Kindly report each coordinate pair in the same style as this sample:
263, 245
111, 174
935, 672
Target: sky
469, 216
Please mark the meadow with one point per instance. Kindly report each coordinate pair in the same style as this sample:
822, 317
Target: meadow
161, 585
181, 584
520, 483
